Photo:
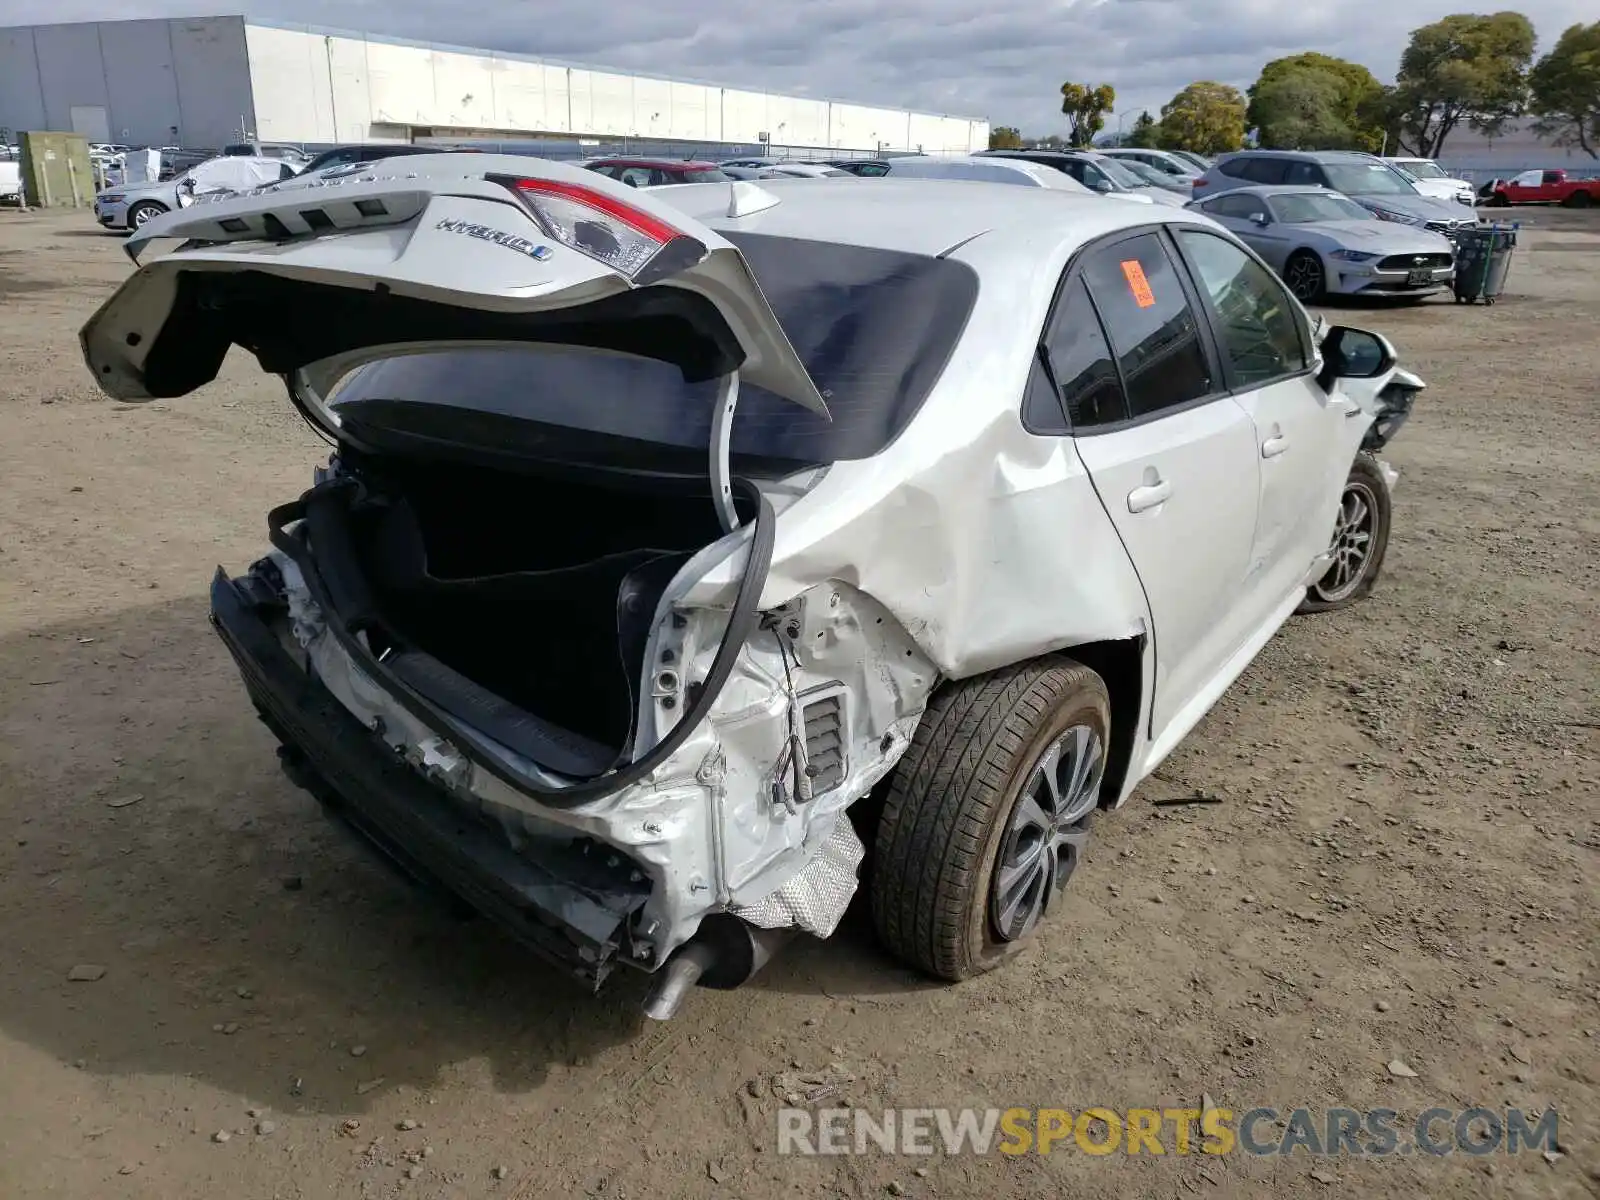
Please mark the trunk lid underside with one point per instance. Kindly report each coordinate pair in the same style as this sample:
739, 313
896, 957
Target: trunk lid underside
317, 277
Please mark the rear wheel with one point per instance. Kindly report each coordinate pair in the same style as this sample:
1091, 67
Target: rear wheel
1500, 200
1360, 540
988, 815
1305, 276
1579, 200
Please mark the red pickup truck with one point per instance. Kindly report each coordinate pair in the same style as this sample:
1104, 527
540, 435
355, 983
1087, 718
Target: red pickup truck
1546, 187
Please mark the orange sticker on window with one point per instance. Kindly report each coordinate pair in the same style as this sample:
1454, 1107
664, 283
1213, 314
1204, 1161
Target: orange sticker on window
1137, 283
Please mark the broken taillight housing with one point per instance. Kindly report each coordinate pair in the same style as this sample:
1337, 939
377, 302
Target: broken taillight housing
628, 240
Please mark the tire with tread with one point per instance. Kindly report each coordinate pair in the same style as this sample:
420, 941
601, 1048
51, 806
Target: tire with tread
151, 210
949, 803
1364, 468
1311, 264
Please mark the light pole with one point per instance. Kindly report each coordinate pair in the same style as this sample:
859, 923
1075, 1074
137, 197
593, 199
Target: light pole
1122, 120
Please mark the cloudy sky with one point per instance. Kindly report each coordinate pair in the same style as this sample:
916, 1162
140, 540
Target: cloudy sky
1000, 59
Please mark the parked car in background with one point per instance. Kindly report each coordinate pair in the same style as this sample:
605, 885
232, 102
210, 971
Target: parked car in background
10, 181
1200, 162
1096, 172
801, 170
1323, 243
974, 168
175, 161
1365, 178
864, 168
1429, 178
657, 172
340, 156
129, 205
286, 151
1148, 174
971, 492
1546, 187
1166, 162
753, 172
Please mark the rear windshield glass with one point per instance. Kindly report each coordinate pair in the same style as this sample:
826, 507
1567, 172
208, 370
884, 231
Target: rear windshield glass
874, 328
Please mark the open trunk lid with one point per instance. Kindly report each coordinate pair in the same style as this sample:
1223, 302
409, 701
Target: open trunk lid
318, 275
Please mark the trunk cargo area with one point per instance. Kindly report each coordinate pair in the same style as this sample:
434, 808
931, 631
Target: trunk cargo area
539, 590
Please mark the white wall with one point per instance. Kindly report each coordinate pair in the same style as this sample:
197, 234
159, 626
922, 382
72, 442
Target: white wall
311, 86
149, 76
208, 75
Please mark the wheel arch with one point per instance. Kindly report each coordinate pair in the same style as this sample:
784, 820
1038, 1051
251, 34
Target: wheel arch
1120, 663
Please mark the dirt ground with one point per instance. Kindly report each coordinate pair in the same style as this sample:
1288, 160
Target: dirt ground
1402, 866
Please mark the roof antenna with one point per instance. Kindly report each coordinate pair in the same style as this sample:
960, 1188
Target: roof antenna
745, 198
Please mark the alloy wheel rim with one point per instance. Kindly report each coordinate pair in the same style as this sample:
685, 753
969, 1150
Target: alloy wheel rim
1304, 278
1048, 830
1352, 542
141, 215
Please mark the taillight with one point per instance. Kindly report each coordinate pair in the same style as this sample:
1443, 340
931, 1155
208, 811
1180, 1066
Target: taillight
1199, 183
630, 241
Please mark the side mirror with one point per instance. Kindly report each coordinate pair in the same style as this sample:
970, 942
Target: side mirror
1261, 219
1101, 185
1354, 354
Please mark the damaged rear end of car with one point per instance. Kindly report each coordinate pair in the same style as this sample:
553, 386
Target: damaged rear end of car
517, 633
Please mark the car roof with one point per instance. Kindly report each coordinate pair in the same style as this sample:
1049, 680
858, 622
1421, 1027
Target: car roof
1279, 189
665, 164
1313, 155
1043, 155
913, 216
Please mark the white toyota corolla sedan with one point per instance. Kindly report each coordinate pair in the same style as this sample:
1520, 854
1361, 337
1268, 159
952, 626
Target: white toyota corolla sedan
675, 545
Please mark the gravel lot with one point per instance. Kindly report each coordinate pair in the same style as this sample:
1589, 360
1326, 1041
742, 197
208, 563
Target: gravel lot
1402, 866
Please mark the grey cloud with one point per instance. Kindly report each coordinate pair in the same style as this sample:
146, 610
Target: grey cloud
1004, 60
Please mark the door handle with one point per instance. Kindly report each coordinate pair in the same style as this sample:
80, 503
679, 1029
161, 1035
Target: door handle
1274, 446
1148, 496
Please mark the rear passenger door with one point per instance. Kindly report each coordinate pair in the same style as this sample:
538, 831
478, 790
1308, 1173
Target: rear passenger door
1172, 457
1264, 342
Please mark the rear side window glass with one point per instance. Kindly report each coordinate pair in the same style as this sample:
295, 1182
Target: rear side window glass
1081, 361
1264, 170
1241, 206
1304, 173
1234, 167
873, 327
1153, 331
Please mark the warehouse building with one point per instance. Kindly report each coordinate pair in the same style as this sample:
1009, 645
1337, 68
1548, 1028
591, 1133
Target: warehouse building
209, 81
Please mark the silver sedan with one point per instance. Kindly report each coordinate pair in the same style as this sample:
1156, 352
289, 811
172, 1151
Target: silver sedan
1322, 243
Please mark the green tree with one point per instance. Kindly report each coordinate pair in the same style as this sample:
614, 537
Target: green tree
1086, 108
1005, 137
1465, 67
1565, 87
1314, 100
1144, 131
1299, 110
1206, 117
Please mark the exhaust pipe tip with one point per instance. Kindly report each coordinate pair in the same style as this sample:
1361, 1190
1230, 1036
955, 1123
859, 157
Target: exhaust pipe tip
725, 953
682, 972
